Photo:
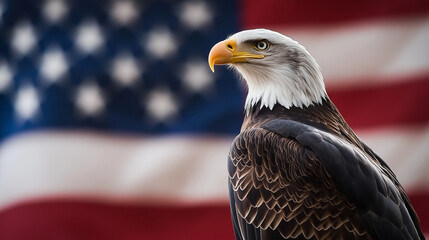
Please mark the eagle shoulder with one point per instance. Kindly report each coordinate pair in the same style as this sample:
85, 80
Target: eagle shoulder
384, 209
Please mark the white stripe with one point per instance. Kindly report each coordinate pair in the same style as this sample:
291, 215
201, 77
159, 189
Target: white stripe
62, 164
177, 169
357, 54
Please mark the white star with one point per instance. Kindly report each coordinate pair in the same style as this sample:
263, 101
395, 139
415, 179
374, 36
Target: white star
196, 76
23, 38
160, 43
89, 100
125, 70
123, 12
161, 105
54, 10
195, 15
5, 76
54, 65
26, 102
88, 37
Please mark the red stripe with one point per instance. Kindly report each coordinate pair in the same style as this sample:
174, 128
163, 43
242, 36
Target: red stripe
420, 201
89, 220
272, 13
395, 104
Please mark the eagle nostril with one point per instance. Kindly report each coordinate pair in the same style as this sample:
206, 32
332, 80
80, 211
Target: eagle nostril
230, 47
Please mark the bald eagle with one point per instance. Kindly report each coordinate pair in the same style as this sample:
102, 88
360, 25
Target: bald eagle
297, 170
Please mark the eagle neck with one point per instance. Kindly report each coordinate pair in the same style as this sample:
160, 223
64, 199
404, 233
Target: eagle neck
300, 87
324, 116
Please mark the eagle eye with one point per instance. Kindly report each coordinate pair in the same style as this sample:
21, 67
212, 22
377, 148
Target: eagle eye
262, 45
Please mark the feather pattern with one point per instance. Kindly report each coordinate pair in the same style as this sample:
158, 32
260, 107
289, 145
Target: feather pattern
289, 179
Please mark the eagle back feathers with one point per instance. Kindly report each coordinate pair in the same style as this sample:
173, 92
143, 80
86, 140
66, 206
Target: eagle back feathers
306, 175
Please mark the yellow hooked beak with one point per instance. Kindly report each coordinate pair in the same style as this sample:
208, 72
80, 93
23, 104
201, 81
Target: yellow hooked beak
226, 52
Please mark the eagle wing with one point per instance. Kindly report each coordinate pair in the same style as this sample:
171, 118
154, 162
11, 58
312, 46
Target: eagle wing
290, 180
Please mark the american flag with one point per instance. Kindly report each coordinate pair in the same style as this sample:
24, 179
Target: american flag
113, 127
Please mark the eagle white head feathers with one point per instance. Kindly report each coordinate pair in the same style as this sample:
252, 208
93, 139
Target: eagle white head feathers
276, 68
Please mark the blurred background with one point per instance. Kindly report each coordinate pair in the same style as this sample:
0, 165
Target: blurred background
113, 127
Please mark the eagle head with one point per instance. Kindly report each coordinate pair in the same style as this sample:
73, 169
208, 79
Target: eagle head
276, 68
